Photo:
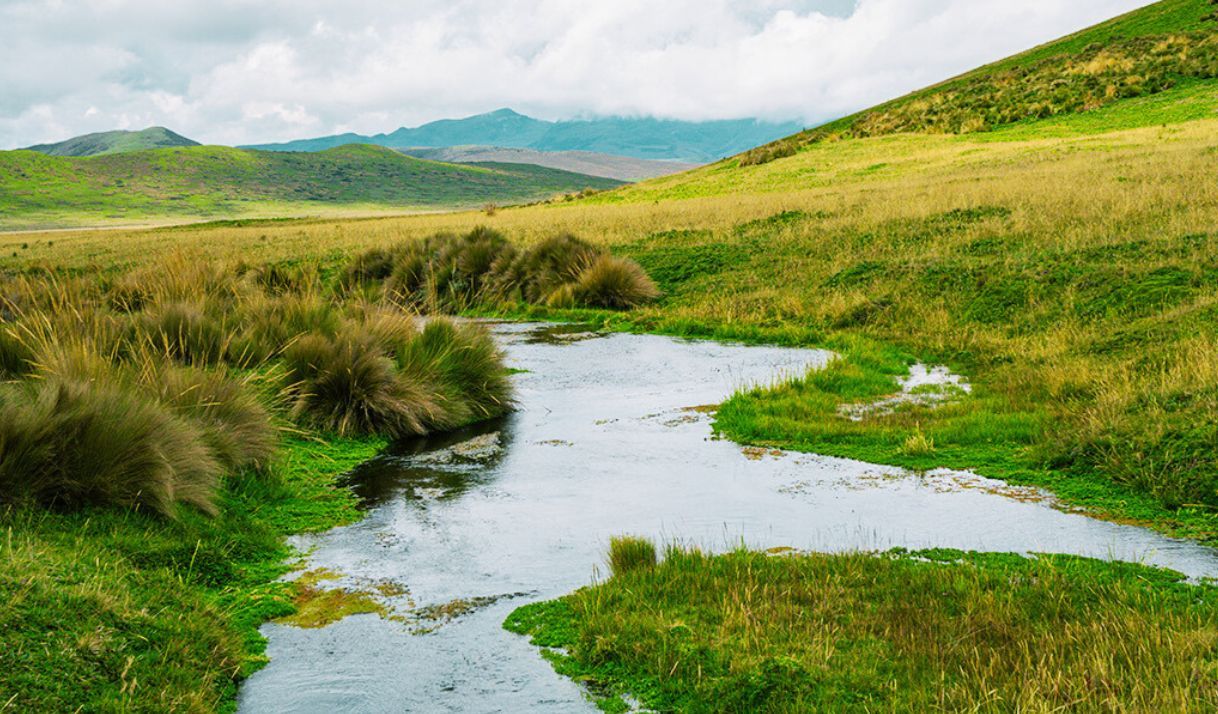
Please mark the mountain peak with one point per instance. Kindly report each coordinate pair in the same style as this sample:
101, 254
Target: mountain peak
114, 142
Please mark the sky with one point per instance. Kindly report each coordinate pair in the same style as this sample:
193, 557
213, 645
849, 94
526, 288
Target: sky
251, 71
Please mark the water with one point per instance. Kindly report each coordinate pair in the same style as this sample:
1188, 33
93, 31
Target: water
604, 443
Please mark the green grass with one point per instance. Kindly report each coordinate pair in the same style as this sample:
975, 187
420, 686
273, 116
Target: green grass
111, 610
925, 631
1142, 53
43, 191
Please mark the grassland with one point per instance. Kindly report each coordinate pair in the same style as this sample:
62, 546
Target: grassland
895, 632
1065, 262
193, 183
1069, 277
122, 611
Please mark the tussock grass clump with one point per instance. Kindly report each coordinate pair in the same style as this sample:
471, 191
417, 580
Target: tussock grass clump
347, 385
185, 333
16, 358
630, 553
615, 283
462, 362
66, 444
236, 425
384, 376
927, 631
450, 273
166, 341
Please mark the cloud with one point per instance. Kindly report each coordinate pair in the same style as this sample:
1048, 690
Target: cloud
237, 71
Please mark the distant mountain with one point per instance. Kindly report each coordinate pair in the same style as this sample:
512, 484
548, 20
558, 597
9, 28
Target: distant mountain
115, 142
220, 182
695, 142
622, 168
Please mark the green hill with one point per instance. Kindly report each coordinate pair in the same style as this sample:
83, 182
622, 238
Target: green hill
115, 142
1148, 51
210, 181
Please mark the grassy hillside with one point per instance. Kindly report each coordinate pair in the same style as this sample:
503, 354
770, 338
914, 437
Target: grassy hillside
1145, 52
115, 142
36, 189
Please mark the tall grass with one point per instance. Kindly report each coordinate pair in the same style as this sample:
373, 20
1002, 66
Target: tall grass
629, 553
66, 444
932, 631
200, 365
451, 273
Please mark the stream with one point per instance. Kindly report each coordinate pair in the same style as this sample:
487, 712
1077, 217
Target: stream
461, 530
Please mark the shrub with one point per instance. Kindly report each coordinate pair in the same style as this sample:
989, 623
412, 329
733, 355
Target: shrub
70, 444
630, 553
615, 283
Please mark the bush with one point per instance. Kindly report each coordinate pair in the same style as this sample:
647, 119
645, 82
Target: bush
70, 444
349, 386
185, 333
466, 368
630, 553
615, 283
235, 424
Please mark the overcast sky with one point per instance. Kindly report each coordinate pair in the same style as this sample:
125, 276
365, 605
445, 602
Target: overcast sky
242, 71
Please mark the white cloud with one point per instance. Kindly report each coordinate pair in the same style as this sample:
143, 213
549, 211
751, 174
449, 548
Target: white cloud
234, 71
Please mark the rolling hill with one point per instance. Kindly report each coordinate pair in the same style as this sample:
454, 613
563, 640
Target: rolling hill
211, 181
694, 142
1167, 45
114, 142
622, 168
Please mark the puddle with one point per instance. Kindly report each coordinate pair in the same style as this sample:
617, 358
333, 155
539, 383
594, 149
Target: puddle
923, 386
468, 527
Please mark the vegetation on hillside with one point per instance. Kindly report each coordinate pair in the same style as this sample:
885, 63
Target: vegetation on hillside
114, 142
1144, 53
39, 190
924, 631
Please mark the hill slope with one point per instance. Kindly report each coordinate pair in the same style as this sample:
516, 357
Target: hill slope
114, 142
217, 181
696, 142
622, 168
1145, 52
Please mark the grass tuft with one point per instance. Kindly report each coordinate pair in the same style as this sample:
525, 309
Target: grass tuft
628, 554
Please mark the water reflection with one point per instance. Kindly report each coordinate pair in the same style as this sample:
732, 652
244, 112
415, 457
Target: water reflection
438, 467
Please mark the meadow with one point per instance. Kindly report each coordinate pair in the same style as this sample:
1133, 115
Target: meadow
183, 184
1062, 257
163, 428
1071, 278
893, 632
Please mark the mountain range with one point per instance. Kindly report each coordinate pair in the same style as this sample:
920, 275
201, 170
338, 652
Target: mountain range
640, 138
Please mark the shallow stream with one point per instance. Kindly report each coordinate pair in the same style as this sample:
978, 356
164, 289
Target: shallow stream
607, 440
